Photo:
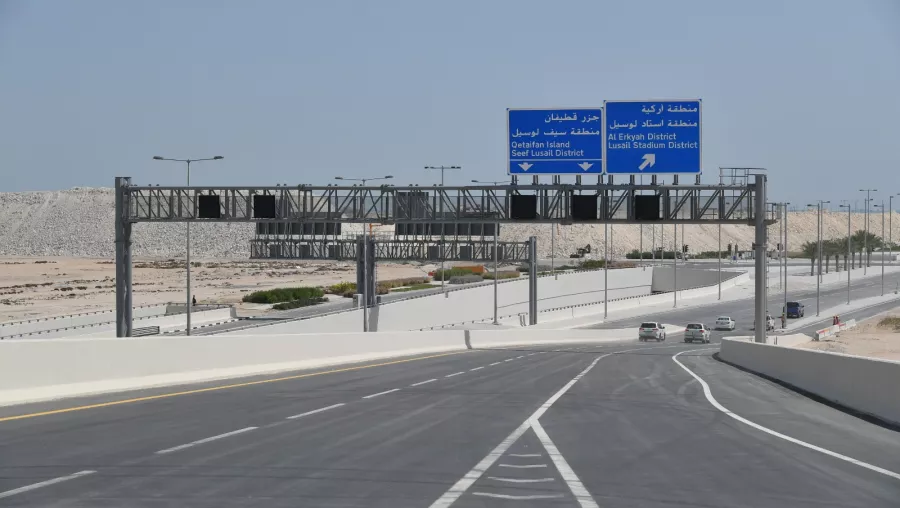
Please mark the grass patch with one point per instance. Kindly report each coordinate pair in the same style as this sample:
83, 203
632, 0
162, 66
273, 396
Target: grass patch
279, 295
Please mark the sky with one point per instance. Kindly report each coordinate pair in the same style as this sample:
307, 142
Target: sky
302, 91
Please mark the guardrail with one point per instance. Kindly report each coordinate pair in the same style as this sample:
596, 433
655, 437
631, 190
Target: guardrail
67, 316
204, 307
145, 331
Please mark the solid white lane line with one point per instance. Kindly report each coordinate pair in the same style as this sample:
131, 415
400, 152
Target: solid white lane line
520, 480
518, 498
581, 494
455, 374
461, 486
523, 466
420, 383
46, 483
524, 454
712, 400
314, 411
381, 393
495, 363
205, 440
476, 368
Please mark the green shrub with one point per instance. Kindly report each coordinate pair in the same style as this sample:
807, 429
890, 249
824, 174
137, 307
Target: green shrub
635, 254
294, 304
452, 272
341, 288
279, 295
591, 264
500, 275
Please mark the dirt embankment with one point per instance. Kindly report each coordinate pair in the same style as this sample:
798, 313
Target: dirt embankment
877, 338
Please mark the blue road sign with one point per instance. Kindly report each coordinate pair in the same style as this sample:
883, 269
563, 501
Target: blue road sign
555, 141
653, 137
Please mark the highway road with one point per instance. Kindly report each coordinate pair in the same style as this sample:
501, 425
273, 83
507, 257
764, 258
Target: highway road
742, 311
622, 424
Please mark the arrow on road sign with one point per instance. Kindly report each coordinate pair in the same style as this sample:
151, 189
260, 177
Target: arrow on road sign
649, 160
525, 166
585, 165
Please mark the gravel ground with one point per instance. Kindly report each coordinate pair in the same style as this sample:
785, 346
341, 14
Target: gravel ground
78, 223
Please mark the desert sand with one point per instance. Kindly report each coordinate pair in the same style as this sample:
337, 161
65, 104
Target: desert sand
52, 286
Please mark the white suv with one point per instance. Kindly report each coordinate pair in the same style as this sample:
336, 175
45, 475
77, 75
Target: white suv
652, 331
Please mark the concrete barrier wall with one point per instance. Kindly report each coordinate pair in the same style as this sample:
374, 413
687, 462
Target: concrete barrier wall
688, 278
44, 369
11, 328
862, 384
475, 303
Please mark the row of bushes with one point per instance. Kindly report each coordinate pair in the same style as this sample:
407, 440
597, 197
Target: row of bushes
500, 275
279, 295
635, 254
451, 272
294, 304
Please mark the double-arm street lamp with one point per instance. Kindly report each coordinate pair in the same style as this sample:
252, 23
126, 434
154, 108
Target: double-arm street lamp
187, 247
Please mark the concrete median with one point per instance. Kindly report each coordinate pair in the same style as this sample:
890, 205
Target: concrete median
864, 385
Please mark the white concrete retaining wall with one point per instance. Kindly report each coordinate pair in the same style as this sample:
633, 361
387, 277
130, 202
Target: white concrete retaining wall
475, 303
862, 384
11, 328
688, 278
632, 302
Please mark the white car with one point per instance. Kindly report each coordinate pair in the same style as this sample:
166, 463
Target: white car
725, 323
652, 331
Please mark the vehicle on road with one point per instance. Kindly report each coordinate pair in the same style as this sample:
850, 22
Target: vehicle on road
794, 310
652, 330
696, 332
725, 323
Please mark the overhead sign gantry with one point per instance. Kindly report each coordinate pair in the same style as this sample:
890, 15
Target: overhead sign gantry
532, 204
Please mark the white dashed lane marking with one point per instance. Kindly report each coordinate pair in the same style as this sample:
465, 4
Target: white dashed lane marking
420, 383
314, 411
381, 393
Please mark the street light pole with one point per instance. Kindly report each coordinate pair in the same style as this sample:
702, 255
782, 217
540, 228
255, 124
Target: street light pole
443, 274
785, 248
187, 248
850, 269
882, 248
866, 229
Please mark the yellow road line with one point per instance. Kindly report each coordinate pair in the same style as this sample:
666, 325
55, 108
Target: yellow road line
217, 388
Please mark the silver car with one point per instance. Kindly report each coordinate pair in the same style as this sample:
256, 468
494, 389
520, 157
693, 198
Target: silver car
652, 330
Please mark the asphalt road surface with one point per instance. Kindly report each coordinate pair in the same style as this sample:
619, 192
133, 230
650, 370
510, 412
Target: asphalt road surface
742, 310
617, 425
